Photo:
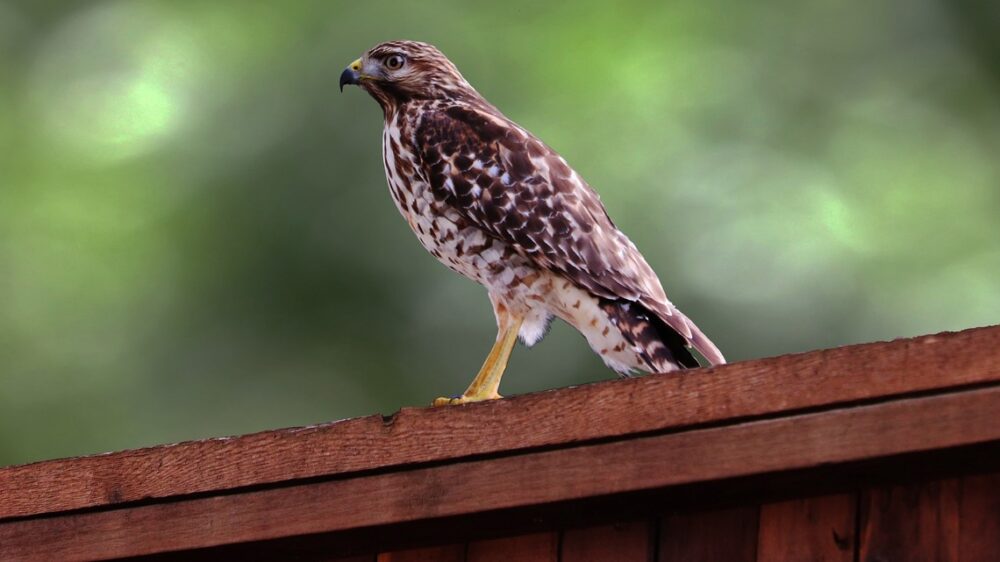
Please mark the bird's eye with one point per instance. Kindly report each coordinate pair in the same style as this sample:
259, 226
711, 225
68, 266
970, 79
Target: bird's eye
394, 62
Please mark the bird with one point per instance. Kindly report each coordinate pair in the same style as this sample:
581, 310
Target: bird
494, 203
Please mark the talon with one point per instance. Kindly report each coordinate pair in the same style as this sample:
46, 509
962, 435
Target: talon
463, 399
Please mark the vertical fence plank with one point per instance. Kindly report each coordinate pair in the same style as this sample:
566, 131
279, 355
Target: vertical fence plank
449, 553
979, 518
624, 542
728, 535
539, 547
818, 529
914, 522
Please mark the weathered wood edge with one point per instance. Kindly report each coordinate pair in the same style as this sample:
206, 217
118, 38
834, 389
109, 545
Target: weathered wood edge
605, 410
808, 440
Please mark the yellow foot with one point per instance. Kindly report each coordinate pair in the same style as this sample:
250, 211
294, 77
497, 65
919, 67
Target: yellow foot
463, 399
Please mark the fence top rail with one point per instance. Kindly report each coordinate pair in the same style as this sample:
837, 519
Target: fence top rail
567, 417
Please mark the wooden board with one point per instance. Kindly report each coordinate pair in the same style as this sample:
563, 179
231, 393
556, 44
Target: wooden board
917, 522
979, 537
611, 410
624, 542
726, 535
538, 547
819, 529
531, 478
449, 553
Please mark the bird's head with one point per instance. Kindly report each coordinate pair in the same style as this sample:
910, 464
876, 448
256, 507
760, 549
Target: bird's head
395, 72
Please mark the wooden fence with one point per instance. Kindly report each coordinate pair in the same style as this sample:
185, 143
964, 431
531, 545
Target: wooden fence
876, 452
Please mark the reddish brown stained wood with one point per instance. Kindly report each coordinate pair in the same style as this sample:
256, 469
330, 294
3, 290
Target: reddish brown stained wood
598, 411
624, 542
819, 529
449, 553
804, 441
916, 522
979, 518
726, 535
537, 547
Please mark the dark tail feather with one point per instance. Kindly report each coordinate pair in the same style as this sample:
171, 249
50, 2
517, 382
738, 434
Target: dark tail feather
659, 345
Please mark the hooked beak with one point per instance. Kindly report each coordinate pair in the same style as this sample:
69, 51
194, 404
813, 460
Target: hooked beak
351, 74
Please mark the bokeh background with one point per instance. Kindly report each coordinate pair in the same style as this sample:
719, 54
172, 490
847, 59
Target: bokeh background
196, 238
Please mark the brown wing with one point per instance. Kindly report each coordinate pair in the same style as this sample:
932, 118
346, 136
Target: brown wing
515, 188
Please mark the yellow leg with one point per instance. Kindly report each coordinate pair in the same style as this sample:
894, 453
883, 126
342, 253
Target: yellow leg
487, 382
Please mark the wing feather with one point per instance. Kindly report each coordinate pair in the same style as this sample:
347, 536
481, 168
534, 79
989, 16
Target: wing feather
515, 188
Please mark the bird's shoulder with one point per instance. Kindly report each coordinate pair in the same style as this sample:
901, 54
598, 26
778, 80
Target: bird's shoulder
475, 141
467, 124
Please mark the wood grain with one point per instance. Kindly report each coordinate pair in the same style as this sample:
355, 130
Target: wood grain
600, 411
916, 522
819, 529
623, 542
532, 478
979, 518
726, 535
537, 547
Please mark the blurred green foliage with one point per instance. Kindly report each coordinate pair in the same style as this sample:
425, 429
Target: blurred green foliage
196, 238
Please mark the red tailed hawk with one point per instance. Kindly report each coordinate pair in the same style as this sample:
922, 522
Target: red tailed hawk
492, 202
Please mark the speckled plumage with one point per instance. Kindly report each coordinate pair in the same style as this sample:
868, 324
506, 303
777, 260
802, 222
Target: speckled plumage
492, 202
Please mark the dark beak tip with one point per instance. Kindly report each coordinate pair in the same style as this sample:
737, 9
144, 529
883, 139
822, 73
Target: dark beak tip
348, 76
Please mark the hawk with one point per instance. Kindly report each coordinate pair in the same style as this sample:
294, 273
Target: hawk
492, 202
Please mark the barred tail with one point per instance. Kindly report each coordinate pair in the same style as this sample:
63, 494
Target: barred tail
661, 347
